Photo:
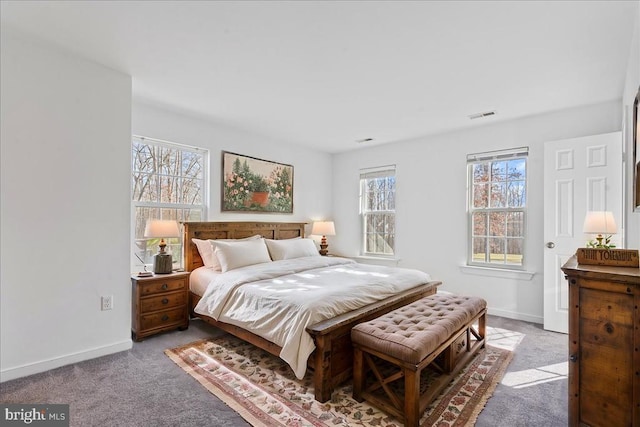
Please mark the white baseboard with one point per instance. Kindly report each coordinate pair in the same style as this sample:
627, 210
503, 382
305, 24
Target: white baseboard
45, 365
515, 315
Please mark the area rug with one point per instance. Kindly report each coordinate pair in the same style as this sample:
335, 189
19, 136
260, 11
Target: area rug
265, 392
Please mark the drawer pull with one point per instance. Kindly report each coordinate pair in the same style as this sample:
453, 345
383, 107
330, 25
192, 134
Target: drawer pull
165, 301
165, 318
164, 286
573, 358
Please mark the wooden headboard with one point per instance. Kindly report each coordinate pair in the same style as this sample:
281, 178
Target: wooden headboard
233, 230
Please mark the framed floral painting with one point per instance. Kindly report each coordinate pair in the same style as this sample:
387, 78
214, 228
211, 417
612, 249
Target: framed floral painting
255, 185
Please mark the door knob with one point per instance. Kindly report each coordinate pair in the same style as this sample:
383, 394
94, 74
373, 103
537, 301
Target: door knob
551, 245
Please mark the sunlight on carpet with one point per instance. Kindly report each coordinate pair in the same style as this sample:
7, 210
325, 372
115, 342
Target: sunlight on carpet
535, 376
503, 338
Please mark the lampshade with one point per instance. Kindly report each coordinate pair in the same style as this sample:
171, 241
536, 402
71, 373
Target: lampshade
161, 228
599, 222
323, 228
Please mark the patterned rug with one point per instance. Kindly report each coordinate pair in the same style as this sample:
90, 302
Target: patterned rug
265, 392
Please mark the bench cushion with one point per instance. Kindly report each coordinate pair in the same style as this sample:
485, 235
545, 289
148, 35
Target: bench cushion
412, 332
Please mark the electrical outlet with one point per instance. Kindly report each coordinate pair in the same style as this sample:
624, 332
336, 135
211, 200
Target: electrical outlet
107, 302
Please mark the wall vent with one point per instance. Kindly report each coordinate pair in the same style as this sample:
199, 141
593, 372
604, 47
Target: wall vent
362, 141
483, 114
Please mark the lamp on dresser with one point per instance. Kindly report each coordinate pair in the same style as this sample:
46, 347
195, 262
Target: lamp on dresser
324, 229
602, 251
599, 223
163, 229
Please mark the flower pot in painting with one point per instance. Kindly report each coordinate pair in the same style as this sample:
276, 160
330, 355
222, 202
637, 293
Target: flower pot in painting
260, 197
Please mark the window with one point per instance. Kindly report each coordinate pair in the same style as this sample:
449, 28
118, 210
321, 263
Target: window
497, 207
167, 182
378, 210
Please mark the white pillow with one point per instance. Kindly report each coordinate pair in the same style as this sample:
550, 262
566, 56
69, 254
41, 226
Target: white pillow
291, 248
233, 255
206, 248
206, 252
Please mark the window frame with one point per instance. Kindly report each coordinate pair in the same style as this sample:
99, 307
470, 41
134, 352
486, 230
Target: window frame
174, 244
370, 173
490, 158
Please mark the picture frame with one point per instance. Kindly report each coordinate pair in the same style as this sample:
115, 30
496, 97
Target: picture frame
635, 135
255, 185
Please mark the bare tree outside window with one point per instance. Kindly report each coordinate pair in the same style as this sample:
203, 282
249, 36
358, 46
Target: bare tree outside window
378, 207
167, 182
497, 208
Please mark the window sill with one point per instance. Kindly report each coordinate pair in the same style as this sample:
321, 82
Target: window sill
497, 272
377, 260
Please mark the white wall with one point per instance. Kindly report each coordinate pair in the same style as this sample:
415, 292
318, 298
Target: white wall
312, 169
632, 83
431, 217
65, 144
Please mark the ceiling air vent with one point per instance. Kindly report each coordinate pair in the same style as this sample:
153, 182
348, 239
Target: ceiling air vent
483, 114
362, 141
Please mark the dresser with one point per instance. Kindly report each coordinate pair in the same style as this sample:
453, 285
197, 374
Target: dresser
604, 345
159, 303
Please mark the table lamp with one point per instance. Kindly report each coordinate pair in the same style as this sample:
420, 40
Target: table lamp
599, 223
158, 228
324, 229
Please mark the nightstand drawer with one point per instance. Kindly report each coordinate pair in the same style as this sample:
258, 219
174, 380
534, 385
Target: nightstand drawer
166, 285
162, 302
163, 318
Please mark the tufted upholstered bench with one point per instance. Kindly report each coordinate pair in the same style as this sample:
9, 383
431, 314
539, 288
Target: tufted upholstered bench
435, 331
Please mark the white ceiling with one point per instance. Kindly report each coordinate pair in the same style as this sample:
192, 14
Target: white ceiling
325, 74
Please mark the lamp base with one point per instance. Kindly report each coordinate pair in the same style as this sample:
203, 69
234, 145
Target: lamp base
323, 246
323, 250
162, 263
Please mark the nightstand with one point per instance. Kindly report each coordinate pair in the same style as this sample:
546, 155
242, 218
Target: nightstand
159, 303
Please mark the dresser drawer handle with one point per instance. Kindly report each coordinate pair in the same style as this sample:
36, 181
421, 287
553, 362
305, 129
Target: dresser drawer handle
165, 318
165, 301
164, 286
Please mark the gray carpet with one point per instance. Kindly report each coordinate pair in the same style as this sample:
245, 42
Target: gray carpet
143, 387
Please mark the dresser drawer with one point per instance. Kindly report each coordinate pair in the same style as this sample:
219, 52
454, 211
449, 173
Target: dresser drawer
163, 318
158, 286
164, 301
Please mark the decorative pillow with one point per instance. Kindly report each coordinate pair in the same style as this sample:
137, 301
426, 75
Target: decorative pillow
232, 255
291, 248
206, 252
206, 249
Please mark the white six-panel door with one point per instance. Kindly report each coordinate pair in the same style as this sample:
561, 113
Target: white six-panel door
580, 175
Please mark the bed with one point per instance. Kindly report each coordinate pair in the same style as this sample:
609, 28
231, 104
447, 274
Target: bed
331, 361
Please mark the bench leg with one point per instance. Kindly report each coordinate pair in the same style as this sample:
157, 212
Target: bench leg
411, 398
358, 374
482, 327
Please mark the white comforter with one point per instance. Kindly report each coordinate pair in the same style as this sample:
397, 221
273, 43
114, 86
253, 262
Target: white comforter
278, 300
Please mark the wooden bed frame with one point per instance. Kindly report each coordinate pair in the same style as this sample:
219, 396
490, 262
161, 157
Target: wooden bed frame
332, 360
